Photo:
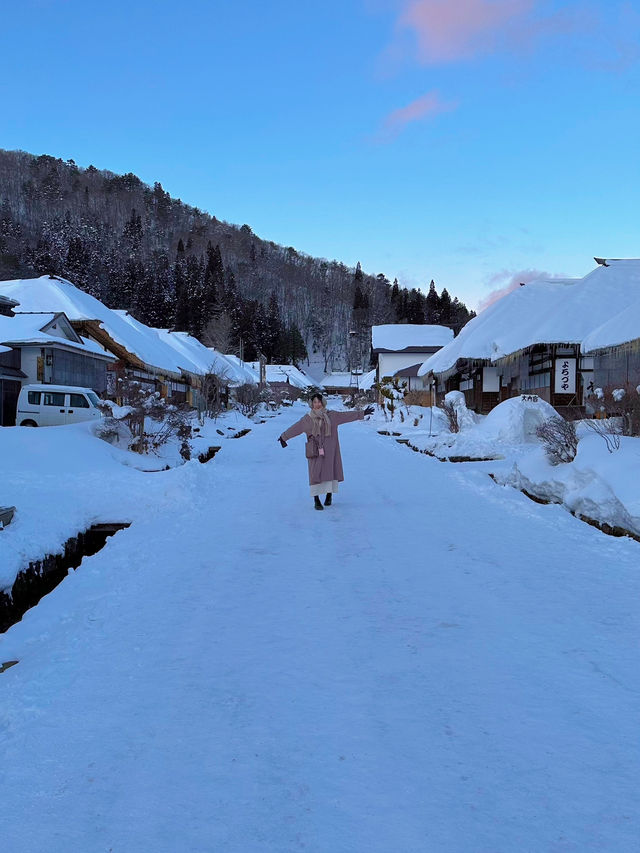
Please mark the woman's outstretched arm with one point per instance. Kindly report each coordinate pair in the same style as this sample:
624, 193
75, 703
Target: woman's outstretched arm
346, 417
295, 429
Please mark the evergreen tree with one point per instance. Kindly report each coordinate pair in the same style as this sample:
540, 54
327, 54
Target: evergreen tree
132, 233
273, 330
416, 307
182, 310
432, 307
43, 261
131, 287
297, 348
445, 308
232, 304
213, 281
195, 289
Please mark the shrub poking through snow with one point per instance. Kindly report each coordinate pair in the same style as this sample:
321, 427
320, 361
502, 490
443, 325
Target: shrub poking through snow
560, 440
458, 415
391, 393
357, 399
146, 421
621, 402
452, 416
607, 429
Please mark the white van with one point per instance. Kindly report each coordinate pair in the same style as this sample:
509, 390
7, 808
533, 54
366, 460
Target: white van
53, 405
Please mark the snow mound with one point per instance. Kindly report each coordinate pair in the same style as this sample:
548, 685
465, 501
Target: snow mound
515, 421
466, 418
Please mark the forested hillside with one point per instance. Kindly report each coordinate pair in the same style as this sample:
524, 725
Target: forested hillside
172, 265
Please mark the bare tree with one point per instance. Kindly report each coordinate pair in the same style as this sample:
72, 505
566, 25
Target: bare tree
214, 394
218, 332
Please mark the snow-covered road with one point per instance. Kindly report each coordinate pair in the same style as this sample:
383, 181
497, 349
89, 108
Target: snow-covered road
435, 664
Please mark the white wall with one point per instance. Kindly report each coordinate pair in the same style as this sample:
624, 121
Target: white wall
390, 362
490, 379
29, 364
418, 383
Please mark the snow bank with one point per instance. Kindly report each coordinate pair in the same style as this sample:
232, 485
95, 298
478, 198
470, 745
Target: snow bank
597, 485
515, 421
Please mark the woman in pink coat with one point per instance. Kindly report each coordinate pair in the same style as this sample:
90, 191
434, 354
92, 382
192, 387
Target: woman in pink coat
323, 447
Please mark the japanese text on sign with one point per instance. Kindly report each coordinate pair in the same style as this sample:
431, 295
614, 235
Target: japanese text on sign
565, 376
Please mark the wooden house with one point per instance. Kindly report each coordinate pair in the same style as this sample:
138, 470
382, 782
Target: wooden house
552, 338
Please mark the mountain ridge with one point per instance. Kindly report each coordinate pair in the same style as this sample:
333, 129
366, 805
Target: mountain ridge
173, 265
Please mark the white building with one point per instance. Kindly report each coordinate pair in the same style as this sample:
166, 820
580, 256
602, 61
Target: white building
403, 348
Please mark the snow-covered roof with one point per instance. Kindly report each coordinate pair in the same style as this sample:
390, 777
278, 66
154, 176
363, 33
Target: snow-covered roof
27, 329
601, 309
399, 336
286, 373
195, 357
342, 379
244, 370
367, 380
622, 320
49, 293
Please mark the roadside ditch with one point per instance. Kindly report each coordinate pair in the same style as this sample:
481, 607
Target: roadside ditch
604, 527
42, 576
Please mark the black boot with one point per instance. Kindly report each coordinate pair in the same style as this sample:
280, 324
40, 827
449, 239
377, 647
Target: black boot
316, 503
327, 500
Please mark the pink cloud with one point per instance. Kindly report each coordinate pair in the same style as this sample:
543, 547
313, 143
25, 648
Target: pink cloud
448, 30
604, 36
424, 107
513, 280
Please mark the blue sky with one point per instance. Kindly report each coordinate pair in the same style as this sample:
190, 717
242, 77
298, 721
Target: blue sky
476, 142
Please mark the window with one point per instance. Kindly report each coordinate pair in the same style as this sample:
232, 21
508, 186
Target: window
78, 401
94, 398
34, 398
74, 368
51, 398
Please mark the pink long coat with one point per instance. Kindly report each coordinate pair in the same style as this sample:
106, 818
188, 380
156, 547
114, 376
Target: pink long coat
328, 467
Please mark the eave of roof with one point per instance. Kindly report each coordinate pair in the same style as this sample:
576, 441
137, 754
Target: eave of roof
410, 371
429, 350
96, 331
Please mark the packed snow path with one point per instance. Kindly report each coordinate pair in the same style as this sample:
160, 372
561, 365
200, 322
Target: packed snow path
433, 664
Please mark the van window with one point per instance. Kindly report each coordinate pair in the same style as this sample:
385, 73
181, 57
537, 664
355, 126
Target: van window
34, 398
51, 398
94, 398
79, 401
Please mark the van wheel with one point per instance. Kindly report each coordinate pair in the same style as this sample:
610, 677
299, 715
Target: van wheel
28, 423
